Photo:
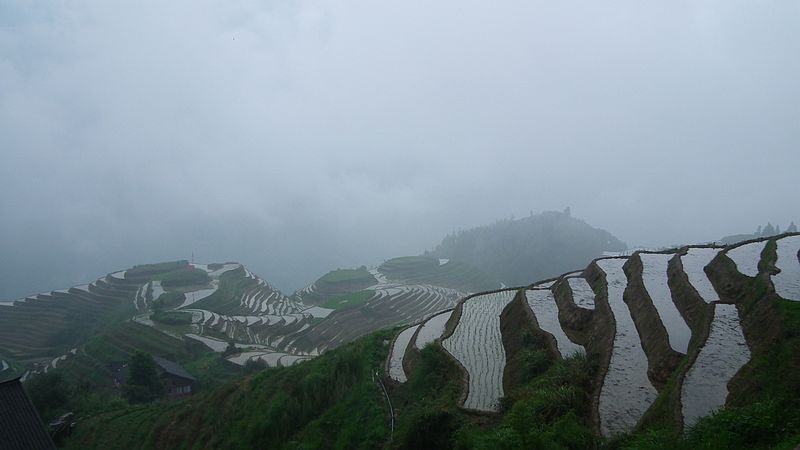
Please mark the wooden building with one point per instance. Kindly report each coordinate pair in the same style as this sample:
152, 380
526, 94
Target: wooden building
177, 381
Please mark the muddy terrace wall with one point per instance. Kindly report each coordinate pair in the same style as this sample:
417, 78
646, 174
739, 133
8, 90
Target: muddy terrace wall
661, 358
520, 332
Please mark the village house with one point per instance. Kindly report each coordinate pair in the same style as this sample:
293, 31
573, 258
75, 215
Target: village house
177, 381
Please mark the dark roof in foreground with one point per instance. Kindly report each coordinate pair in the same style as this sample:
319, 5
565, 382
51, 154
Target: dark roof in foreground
172, 368
20, 425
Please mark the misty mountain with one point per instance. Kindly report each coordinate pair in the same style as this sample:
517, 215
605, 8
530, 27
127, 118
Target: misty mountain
532, 248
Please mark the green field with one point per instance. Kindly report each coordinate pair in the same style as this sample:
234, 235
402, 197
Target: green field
172, 317
426, 270
185, 276
348, 300
148, 270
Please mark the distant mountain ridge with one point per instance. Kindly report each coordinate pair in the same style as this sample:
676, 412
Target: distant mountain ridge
765, 231
531, 248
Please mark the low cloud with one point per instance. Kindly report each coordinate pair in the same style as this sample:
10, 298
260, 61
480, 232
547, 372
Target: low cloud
303, 136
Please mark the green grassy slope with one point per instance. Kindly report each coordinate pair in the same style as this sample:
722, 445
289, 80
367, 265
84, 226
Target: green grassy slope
116, 343
51, 324
329, 402
338, 283
426, 270
348, 300
232, 285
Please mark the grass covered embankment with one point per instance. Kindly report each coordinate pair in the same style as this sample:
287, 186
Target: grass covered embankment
765, 410
427, 270
547, 410
329, 402
340, 288
348, 300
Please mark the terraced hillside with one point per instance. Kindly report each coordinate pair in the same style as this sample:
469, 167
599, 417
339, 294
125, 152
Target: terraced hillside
173, 309
599, 358
406, 290
235, 307
37, 328
675, 334
477, 343
438, 272
336, 283
216, 305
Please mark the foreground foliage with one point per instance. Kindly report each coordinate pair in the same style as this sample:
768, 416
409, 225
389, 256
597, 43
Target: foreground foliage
143, 385
329, 402
334, 402
546, 411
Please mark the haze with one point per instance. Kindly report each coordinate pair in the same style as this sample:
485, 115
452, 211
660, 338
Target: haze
297, 137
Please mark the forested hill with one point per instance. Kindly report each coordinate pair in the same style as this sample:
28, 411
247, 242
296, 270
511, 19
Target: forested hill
532, 248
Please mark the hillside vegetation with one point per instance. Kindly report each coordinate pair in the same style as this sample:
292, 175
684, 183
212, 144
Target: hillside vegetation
520, 251
338, 283
448, 273
333, 401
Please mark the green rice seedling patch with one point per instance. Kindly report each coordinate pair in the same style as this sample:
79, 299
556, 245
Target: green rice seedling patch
348, 300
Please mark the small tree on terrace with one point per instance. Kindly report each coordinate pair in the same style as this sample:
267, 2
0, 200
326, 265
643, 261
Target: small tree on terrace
143, 384
792, 228
230, 349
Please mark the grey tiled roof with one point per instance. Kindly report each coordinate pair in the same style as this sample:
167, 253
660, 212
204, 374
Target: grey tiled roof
21, 428
172, 368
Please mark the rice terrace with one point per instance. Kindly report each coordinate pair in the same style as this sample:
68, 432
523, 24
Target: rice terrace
637, 344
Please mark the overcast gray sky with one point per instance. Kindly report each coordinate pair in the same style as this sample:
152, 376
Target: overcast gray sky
301, 136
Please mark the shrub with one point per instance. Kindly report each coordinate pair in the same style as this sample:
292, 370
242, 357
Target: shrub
759, 425
49, 393
254, 365
429, 428
188, 276
143, 384
172, 317
533, 363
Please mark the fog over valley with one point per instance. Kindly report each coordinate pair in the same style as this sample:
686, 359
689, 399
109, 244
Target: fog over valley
300, 137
